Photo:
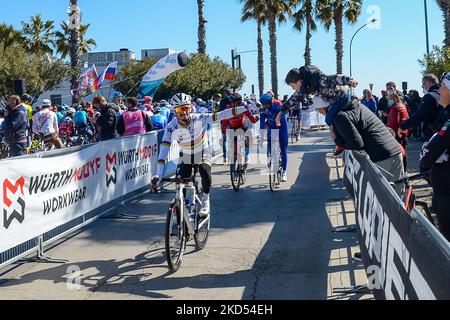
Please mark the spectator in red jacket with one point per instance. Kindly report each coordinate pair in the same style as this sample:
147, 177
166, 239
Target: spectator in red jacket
398, 115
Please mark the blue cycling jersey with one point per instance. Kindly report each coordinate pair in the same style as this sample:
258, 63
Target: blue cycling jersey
159, 122
165, 112
60, 116
80, 118
268, 117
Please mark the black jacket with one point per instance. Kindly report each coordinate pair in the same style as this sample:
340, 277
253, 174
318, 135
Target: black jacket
107, 122
440, 172
16, 124
358, 128
428, 113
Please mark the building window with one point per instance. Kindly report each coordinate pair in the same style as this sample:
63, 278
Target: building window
110, 56
102, 57
56, 99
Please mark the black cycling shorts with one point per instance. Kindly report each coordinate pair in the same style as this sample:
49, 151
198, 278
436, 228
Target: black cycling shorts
296, 114
184, 171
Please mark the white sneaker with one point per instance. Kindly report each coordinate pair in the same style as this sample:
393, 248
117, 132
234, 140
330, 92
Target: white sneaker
204, 211
284, 178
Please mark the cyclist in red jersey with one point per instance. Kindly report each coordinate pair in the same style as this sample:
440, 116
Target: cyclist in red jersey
238, 122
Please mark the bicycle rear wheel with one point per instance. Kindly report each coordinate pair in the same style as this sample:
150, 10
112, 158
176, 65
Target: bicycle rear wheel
243, 174
294, 131
272, 178
279, 174
235, 176
175, 238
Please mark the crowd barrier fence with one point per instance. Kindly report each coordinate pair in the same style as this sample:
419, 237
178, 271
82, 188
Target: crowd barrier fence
405, 256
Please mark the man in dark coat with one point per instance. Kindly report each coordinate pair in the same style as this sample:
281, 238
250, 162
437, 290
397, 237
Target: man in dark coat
15, 126
107, 121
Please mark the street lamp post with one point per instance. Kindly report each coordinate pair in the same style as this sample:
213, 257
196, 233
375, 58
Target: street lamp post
351, 42
426, 26
236, 57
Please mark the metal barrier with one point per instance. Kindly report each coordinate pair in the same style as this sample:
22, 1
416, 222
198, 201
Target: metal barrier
405, 256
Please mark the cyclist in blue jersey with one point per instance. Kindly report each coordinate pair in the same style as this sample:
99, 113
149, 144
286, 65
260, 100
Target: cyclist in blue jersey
82, 123
80, 119
159, 120
61, 113
268, 116
165, 111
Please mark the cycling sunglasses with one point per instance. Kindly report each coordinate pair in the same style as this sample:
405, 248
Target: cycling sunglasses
183, 109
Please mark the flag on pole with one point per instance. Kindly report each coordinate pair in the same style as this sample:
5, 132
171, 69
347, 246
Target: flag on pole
108, 74
160, 71
85, 83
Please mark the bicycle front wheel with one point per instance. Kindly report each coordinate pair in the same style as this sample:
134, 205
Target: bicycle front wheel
201, 236
175, 238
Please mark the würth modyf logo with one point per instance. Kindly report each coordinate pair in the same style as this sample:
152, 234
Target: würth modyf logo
111, 171
10, 213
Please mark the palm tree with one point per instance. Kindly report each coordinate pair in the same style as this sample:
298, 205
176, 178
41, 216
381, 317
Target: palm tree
39, 35
305, 16
63, 38
201, 27
277, 11
9, 36
255, 10
334, 11
74, 41
445, 7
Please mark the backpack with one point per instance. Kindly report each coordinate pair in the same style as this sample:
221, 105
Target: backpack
311, 76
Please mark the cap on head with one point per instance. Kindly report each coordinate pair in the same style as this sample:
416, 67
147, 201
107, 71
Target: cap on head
46, 103
26, 97
117, 95
266, 98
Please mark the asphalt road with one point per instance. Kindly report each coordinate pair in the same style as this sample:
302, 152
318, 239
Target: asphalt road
262, 245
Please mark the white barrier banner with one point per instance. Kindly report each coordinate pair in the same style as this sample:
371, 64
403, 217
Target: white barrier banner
40, 194
310, 119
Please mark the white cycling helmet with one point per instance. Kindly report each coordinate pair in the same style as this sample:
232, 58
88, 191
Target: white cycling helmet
181, 99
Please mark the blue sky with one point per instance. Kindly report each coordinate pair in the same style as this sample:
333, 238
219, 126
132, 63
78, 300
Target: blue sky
389, 53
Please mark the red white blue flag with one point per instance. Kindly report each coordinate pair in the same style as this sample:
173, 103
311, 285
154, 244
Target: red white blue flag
108, 74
